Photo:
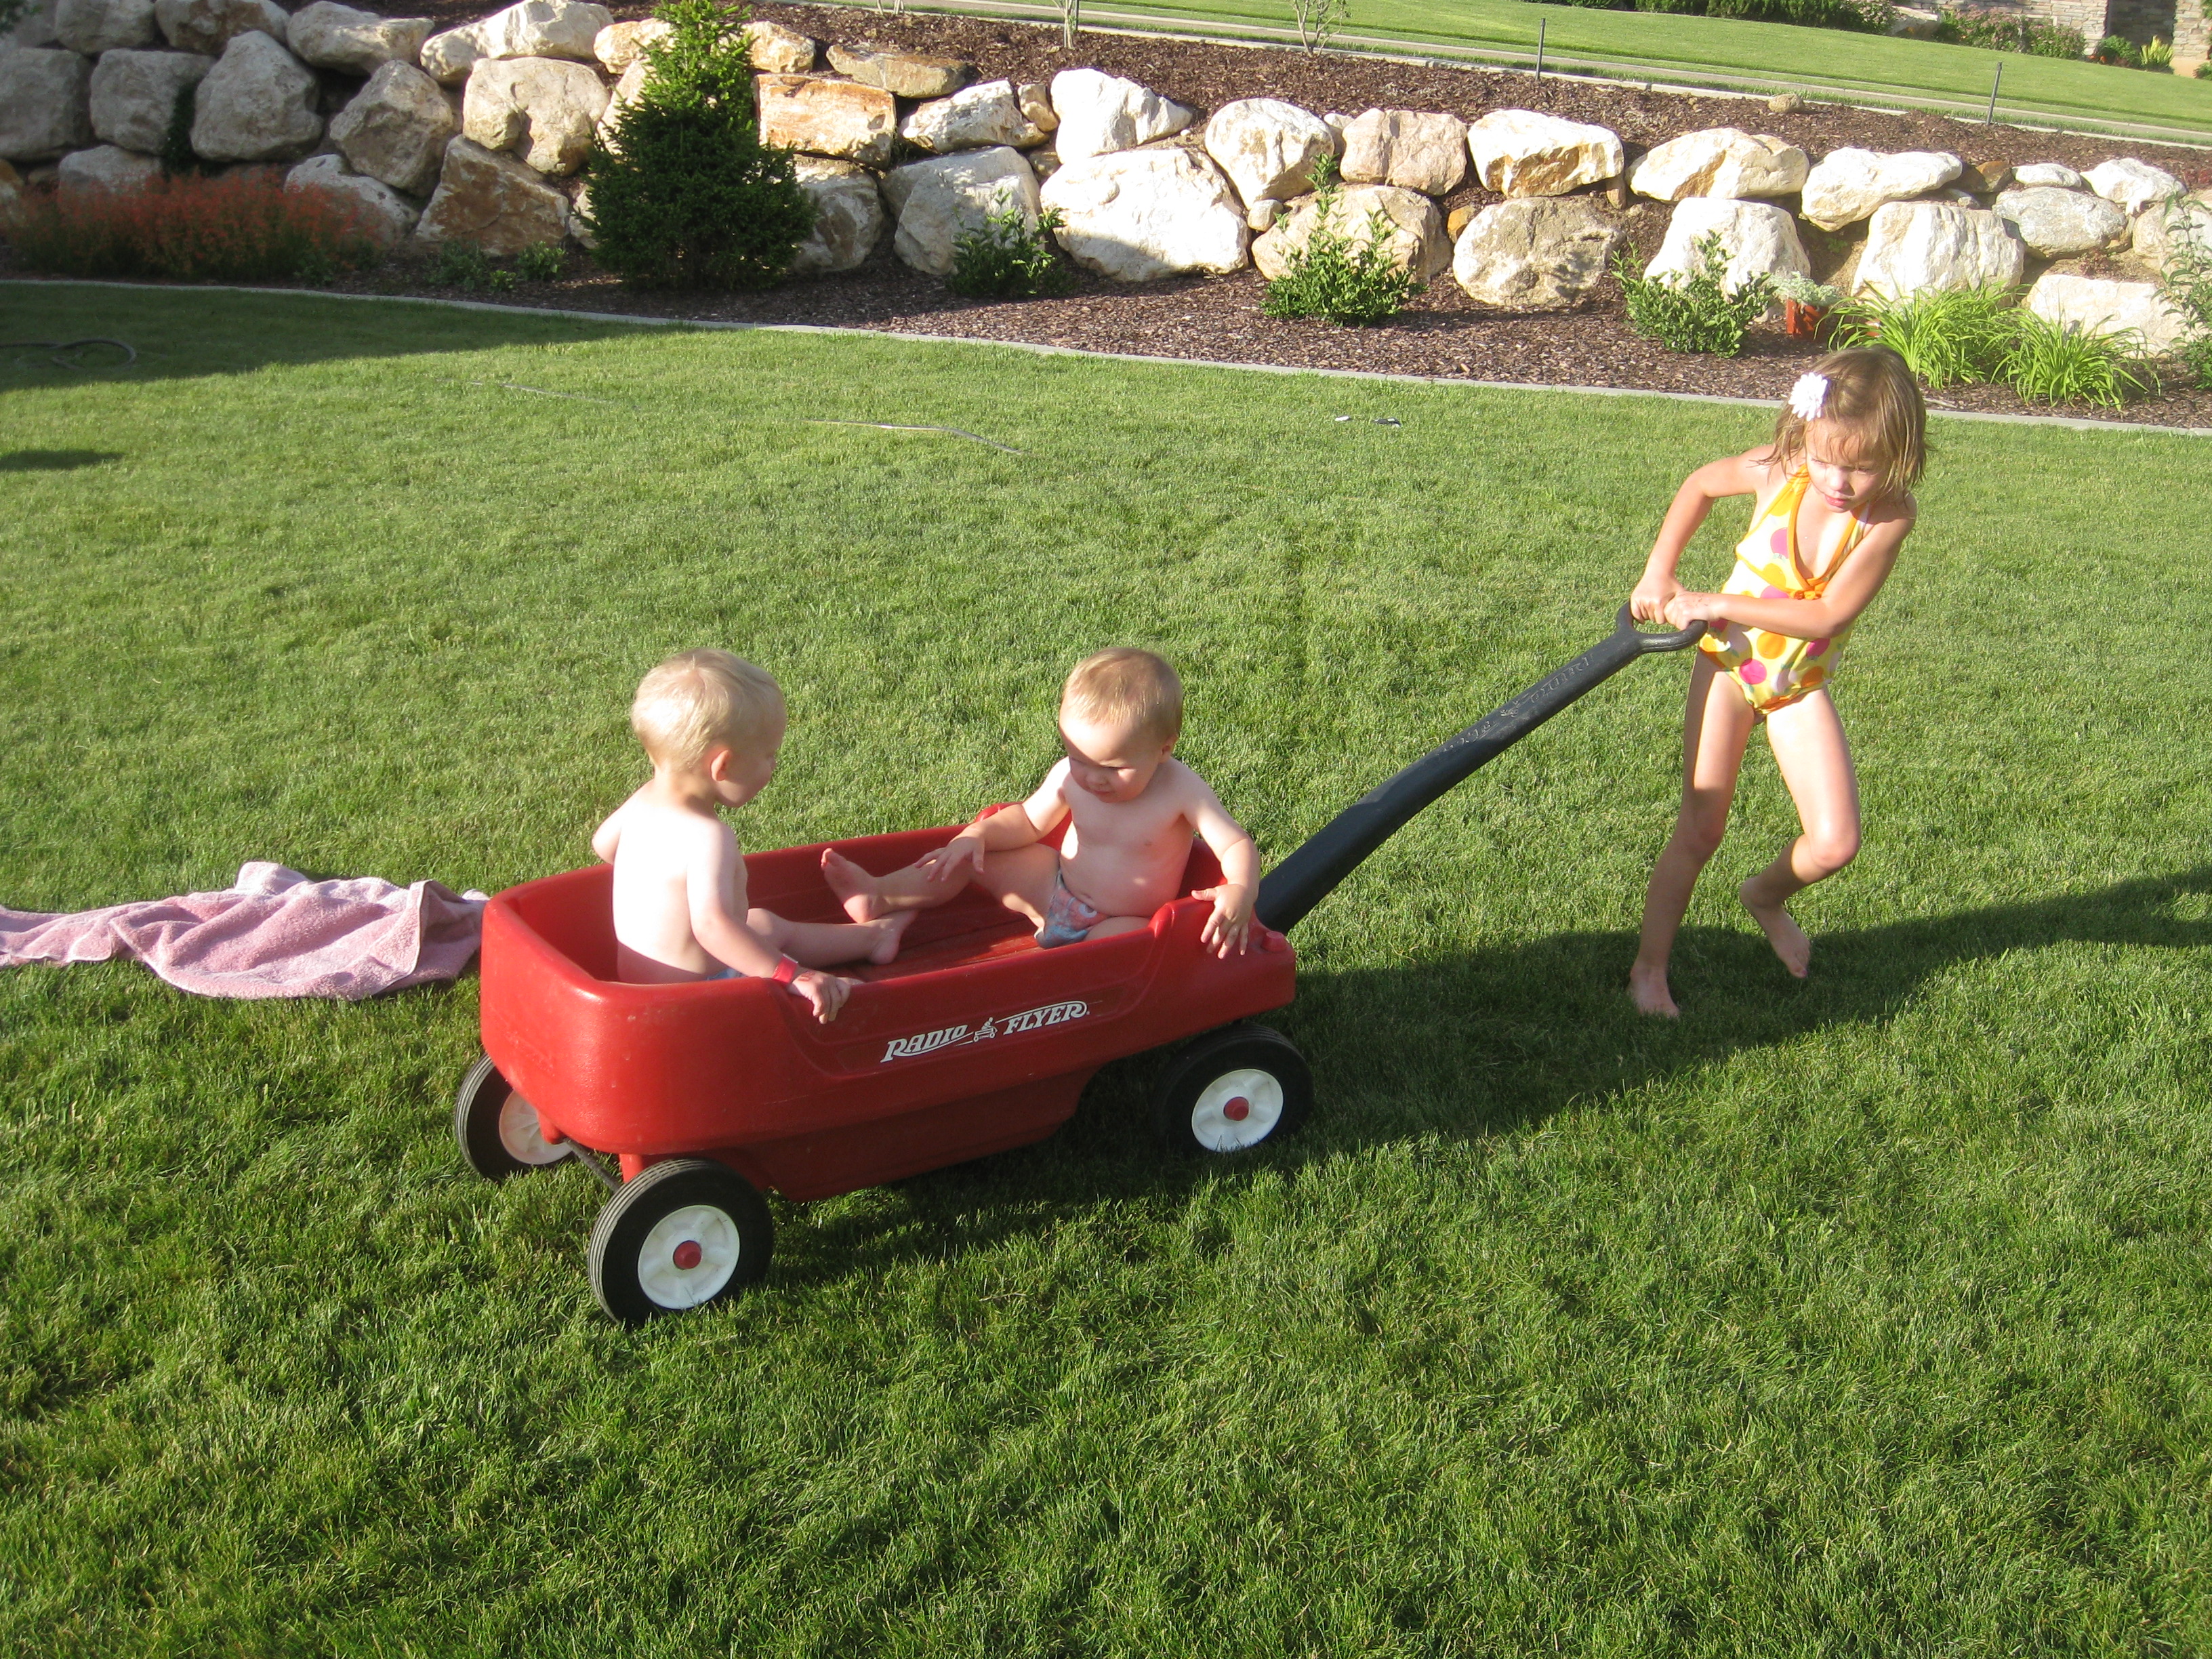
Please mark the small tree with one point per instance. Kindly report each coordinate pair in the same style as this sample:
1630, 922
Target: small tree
683, 194
1318, 21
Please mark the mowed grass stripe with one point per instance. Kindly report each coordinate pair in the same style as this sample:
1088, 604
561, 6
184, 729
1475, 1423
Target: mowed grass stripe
1855, 1317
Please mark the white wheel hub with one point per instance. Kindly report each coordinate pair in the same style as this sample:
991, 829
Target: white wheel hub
1237, 1109
688, 1256
518, 1133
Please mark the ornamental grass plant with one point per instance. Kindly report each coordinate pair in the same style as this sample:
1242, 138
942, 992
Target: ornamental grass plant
1985, 336
2049, 362
194, 229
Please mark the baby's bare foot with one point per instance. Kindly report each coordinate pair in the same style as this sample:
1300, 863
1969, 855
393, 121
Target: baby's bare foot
890, 930
855, 887
1782, 932
1647, 989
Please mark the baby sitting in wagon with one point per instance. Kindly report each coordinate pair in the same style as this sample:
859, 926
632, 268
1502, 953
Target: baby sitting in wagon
711, 723
1134, 806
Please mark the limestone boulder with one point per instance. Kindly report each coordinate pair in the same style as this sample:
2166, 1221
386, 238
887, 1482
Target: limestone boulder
625, 94
396, 128
32, 28
1137, 215
1521, 152
208, 26
382, 213
2133, 185
1412, 230
534, 29
1100, 113
1760, 239
2055, 222
257, 104
938, 201
2163, 231
901, 74
620, 45
1036, 100
2096, 307
2049, 173
849, 215
1414, 149
491, 199
1914, 247
1538, 254
1847, 184
104, 168
545, 109
776, 50
134, 95
842, 119
45, 103
93, 27
1720, 162
1267, 147
327, 35
981, 116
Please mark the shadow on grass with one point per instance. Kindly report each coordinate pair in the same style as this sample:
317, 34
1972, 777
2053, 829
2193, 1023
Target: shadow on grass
185, 332
1475, 1045
54, 460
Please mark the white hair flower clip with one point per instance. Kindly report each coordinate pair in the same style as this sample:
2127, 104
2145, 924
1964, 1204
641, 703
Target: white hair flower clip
1809, 396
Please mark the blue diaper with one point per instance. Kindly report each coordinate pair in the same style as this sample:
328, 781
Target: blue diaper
1067, 919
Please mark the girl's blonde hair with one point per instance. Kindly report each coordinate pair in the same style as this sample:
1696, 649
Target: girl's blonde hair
696, 700
1871, 394
1126, 684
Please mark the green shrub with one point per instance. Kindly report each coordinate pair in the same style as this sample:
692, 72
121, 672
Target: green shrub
2050, 362
2118, 49
683, 194
1346, 279
1945, 339
1867, 15
541, 262
177, 156
1010, 258
1997, 32
1788, 285
463, 265
1698, 313
2186, 284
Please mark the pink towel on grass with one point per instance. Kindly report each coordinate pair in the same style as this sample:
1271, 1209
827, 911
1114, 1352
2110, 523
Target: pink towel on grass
273, 934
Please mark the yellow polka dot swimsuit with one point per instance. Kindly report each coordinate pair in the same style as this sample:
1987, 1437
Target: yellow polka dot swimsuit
1775, 670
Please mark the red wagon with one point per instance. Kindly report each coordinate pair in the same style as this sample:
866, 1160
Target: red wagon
974, 1041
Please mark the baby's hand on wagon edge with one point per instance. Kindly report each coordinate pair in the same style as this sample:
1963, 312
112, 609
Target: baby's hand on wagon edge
945, 863
1230, 927
825, 993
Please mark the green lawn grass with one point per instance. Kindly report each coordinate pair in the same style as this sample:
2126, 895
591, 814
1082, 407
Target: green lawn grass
1864, 1316
1717, 52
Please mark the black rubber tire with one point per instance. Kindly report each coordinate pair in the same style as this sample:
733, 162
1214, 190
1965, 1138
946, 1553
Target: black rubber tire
1187, 1125
477, 1104
620, 1236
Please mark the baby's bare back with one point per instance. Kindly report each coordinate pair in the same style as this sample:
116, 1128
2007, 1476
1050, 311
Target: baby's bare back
662, 850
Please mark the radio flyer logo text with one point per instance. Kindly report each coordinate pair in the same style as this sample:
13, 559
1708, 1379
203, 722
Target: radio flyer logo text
1030, 1019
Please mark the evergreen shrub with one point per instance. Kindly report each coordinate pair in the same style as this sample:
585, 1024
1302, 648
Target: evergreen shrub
683, 194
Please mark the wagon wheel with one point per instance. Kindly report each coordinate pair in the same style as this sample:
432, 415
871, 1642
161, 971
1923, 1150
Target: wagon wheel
1234, 1088
498, 1128
684, 1233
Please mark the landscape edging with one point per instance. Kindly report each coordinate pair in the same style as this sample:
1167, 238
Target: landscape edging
2081, 424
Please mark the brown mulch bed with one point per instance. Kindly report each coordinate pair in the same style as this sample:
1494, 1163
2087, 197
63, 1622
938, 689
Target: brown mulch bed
1444, 334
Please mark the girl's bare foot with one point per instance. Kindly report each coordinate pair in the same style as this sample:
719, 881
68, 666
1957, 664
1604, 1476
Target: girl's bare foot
1647, 989
1782, 932
889, 932
855, 890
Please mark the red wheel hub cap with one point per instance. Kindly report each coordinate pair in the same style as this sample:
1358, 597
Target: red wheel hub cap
688, 1253
1237, 1109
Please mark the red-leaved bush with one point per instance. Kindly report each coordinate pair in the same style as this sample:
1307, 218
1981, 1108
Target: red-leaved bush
247, 228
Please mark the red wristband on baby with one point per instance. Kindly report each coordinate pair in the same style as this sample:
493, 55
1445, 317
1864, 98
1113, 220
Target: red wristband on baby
785, 970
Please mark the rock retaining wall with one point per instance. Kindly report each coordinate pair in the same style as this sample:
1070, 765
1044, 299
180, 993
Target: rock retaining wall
478, 133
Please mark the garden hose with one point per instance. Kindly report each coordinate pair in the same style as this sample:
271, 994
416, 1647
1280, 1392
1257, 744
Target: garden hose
61, 348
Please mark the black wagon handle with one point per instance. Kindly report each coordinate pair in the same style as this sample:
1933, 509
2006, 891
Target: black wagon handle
1312, 873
